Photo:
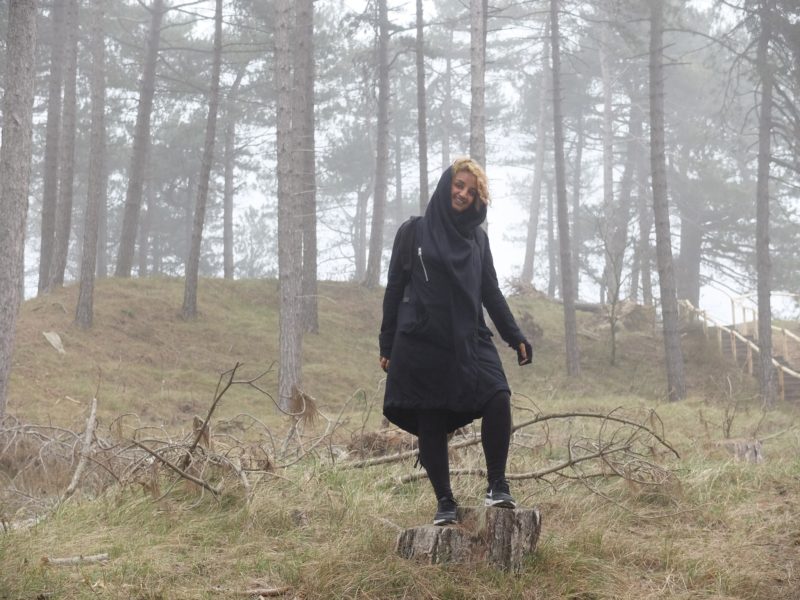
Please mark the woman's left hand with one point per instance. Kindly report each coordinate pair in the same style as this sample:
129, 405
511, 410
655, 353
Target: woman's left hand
524, 353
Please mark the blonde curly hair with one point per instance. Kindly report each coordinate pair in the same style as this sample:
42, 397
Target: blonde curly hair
465, 163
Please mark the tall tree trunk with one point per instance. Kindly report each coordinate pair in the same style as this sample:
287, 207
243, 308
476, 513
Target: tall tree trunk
15, 173
229, 187
84, 312
141, 145
477, 60
538, 168
102, 230
552, 255
621, 215
189, 310
360, 233
289, 232
767, 383
676, 381
230, 165
227, 198
143, 245
67, 151
398, 174
575, 238
303, 124
608, 160
565, 262
188, 219
52, 144
688, 267
422, 117
642, 257
381, 166
447, 111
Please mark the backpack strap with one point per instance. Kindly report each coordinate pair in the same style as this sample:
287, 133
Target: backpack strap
481, 237
407, 233
408, 241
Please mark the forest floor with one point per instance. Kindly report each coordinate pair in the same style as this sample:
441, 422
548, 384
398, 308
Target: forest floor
696, 525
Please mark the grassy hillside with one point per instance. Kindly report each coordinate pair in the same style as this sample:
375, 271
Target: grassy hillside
714, 528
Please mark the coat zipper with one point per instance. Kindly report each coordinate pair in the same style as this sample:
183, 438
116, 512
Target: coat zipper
424, 270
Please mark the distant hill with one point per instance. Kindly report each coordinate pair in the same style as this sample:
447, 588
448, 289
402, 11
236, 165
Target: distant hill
141, 357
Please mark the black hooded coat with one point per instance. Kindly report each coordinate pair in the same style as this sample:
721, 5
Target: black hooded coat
433, 331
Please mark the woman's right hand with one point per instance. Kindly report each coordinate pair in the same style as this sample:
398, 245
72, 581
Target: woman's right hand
384, 364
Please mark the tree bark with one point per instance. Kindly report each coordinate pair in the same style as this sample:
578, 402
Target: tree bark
189, 310
15, 173
565, 262
52, 144
621, 214
143, 245
538, 168
608, 162
289, 231
766, 370
228, 186
141, 145
303, 123
643, 248
552, 255
398, 173
690, 257
360, 233
447, 110
374, 260
422, 118
477, 116
84, 312
575, 238
102, 232
67, 151
676, 382
227, 197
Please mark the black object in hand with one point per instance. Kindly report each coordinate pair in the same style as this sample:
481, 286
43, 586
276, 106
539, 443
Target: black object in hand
529, 354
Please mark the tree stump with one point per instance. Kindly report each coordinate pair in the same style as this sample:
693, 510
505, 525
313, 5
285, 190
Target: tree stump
500, 536
747, 450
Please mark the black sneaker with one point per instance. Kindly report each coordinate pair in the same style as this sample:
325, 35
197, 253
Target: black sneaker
498, 494
445, 511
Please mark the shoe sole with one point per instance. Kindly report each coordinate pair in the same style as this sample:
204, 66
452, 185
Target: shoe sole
440, 522
500, 503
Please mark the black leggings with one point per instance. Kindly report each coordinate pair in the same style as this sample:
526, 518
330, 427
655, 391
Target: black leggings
495, 437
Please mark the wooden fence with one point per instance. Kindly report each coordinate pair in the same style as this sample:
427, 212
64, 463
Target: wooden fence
729, 334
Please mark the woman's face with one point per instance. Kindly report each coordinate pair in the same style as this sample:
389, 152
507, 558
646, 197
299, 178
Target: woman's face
463, 191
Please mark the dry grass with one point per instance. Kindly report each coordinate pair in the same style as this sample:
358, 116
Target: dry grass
717, 528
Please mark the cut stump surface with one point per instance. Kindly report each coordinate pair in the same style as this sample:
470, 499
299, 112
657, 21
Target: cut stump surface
500, 536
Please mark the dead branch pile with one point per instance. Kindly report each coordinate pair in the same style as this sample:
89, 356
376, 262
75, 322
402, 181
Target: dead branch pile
621, 447
380, 443
43, 466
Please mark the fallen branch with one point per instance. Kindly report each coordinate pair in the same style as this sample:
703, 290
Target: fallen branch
75, 560
179, 471
519, 476
91, 424
218, 394
257, 592
539, 418
609, 417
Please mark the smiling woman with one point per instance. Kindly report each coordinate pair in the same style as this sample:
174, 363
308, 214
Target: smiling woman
469, 179
443, 368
